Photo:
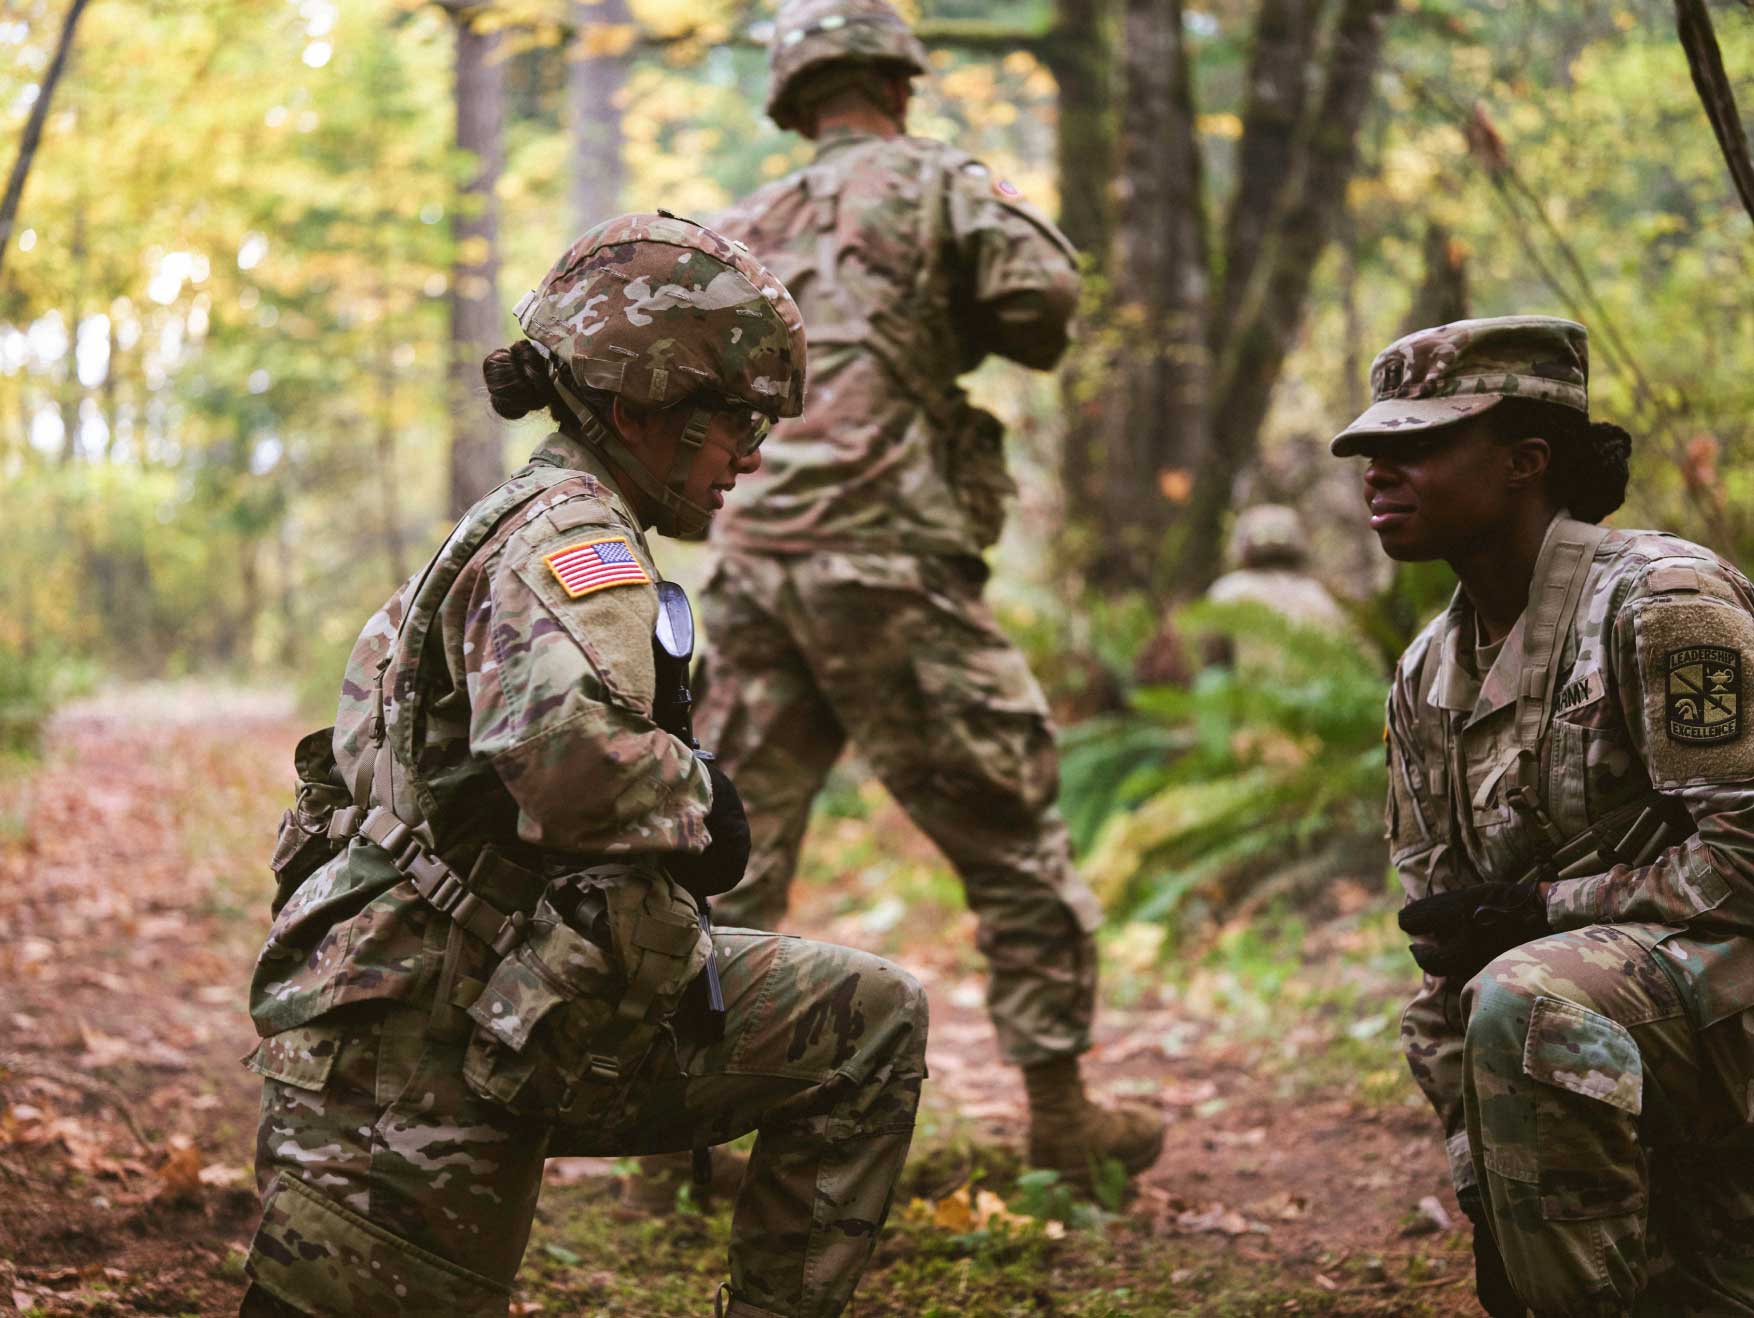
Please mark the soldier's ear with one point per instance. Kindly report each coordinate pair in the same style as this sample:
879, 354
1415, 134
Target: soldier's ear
1528, 461
633, 424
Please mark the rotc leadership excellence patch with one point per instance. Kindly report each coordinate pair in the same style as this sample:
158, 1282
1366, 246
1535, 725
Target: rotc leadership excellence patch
596, 565
1705, 688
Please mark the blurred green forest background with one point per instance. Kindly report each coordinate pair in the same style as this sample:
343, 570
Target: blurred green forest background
264, 244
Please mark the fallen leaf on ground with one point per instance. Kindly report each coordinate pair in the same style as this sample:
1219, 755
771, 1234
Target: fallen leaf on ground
1218, 1218
1240, 1139
1284, 1206
180, 1172
1432, 1218
964, 1211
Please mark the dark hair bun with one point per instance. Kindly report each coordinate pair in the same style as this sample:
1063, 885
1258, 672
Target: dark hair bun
1593, 472
517, 380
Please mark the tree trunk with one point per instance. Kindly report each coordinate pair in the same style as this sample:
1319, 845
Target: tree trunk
389, 478
593, 86
33, 129
477, 320
1271, 309
1443, 296
1274, 107
1159, 308
1077, 54
1706, 62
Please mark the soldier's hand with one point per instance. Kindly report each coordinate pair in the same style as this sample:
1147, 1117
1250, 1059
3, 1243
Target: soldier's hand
1457, 933
720, 867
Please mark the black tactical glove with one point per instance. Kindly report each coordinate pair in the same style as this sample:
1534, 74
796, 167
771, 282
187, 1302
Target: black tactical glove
1491, 1282
720, 867
1461, 931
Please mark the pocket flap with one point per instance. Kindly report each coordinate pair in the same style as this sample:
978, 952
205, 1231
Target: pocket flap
302, 1057
515, 1000
1572, 1048
665, 933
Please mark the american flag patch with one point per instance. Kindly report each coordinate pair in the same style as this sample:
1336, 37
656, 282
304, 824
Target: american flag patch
596, 565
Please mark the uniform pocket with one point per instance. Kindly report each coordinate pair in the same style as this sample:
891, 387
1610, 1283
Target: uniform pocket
987, 724
1591, 1074
303, 1057
565, 1021
538, 1019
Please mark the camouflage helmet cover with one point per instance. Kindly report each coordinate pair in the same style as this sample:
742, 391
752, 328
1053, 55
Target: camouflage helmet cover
1267, 533
656, 309
808, 35
1434, 377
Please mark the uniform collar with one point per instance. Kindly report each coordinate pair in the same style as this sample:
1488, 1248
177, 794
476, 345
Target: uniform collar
1456, 688
570, 453
834, 139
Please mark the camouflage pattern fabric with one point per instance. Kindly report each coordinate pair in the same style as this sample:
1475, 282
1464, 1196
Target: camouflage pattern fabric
393, 1185
900, 655
518, 658
1294, 595
1434, 377
904, 255
1658, 622
1615, 1168
810, 35
686, 309
390, 1188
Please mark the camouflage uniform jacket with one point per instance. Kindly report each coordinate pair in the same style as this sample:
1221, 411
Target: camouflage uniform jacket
1652, 648
537, 738
898, 251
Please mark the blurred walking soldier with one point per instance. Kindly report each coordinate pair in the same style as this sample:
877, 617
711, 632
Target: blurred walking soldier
846, 604
1571, 807
488, 944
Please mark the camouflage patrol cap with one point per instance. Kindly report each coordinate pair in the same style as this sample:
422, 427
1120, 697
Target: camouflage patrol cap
809, 35
656, 309
1438, 376
1267, 533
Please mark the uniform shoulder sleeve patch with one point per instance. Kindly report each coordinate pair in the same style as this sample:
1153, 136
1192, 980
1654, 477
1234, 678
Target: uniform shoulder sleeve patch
1693, 662
596, 564
1703, 685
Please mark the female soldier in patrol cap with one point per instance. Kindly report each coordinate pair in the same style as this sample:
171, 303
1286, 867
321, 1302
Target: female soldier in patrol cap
496, 964
1571, 809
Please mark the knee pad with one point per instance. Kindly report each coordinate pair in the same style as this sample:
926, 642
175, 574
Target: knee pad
322, 1258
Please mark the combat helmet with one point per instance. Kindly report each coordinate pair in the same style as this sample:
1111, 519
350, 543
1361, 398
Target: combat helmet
1267, 534
657, 310
809, 35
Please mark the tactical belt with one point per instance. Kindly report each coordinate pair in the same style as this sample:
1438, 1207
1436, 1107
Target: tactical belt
437, 882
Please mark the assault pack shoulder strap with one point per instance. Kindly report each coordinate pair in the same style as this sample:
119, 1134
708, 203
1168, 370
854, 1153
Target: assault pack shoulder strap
403, 828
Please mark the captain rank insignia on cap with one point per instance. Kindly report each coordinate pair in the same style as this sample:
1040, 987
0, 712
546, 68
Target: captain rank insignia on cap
1704, 694
596, 565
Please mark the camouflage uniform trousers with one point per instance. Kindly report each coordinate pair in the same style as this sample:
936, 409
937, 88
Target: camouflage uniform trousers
899, 654
1618, 1170
394, 1190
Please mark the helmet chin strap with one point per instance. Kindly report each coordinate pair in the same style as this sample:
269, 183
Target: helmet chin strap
676, 516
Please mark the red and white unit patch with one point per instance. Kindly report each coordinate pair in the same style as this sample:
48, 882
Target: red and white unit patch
596, 565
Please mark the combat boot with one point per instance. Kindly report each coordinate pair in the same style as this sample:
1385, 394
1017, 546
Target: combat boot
659, 1177
1071, 1135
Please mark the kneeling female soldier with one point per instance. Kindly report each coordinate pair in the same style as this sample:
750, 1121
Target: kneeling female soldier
1571, 809
504, 959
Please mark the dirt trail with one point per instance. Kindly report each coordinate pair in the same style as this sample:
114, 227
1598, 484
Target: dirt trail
133, 894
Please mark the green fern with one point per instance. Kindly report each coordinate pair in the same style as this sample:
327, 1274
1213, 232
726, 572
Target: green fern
1179, 806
